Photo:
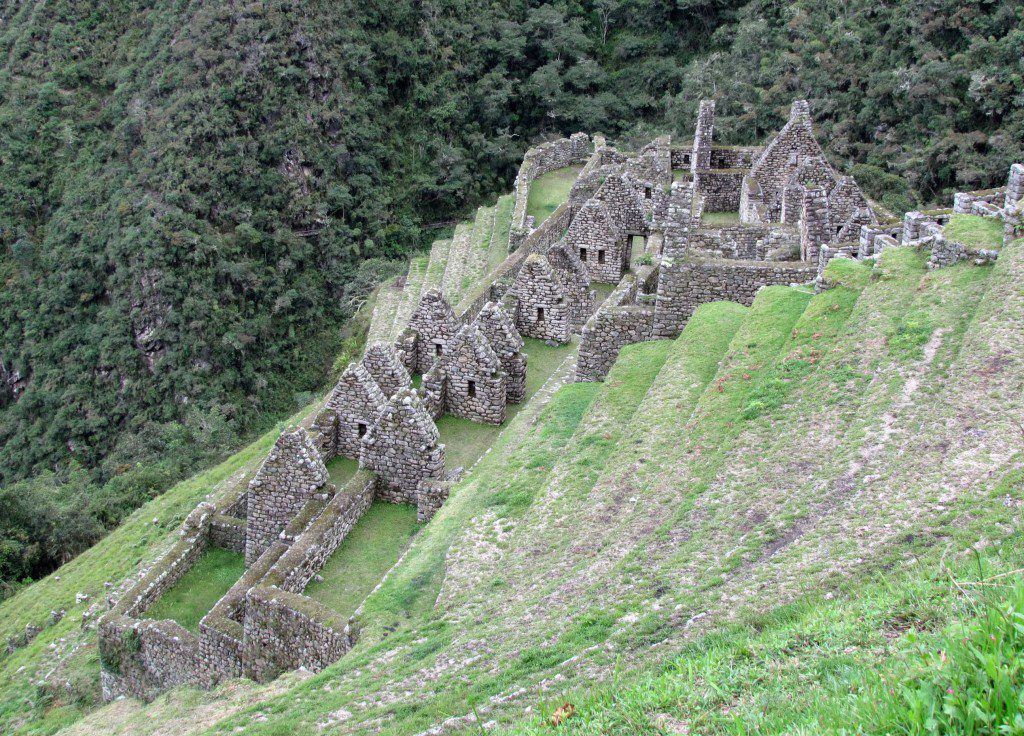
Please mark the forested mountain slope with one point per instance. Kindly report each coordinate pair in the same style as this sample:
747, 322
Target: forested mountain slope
193, 195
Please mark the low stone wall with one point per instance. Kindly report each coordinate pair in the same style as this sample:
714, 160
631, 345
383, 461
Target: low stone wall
620, 321
537, 162
720, 189
733, 157
747, 242
228, 532
689, 281
284, 631
986, 203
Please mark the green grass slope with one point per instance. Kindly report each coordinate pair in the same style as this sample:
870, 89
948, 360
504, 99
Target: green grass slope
732, 532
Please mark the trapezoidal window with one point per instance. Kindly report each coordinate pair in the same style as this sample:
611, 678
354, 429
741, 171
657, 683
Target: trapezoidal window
647, 192
583, 254
540, 314
600, 256
438, 348
361, 429
471, 389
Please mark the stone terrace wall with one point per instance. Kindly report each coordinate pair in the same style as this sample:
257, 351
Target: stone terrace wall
689, 281
620, 321
538, 161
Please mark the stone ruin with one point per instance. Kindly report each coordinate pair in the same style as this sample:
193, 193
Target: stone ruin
793, 213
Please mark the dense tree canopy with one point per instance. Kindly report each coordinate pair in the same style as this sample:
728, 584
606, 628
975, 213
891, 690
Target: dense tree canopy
193, 194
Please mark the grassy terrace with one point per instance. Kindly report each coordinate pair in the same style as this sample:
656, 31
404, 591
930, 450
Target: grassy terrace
975, 231
719, 219
199, 589
371, 548
549, 191
341, 470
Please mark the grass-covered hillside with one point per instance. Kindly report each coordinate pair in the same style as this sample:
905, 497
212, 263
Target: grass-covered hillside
797, 516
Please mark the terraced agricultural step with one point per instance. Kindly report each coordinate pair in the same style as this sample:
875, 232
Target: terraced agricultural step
414, 281
476, 258
457, 257
497, 251
383, 318
439, 251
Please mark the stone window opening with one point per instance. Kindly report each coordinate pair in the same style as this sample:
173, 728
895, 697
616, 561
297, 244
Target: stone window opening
583, 254
600, 256
361, 429
540, 314
647, 193
438, 349
471, 389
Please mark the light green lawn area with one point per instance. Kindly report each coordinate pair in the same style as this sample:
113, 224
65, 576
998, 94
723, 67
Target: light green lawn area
200, 588
371, 548
547, 192
466, 441
602, 290
719, 219
975, 231
342, 469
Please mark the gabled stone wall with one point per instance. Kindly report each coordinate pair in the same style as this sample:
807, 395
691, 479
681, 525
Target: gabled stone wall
599, 242
701, 158
434, 323
623, 202
383, 364
496, 324
404, 448
575, 280
292, 474
542, 309
475, 380
351, 408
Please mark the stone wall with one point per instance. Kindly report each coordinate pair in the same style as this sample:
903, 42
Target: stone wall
291, 475
386, 368
701, 158
1014, 186
284, 631
620, 321
815, 227
541, 307
507, 343
434, 323
689, 281
748, 241
403, 447
538, 161
623, 202
733, 157
351, 407
474, 378
599, 242
719, 189
227, 532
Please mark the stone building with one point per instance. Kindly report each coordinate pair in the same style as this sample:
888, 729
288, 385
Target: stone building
404, 448
542, 309
473, 378
815, 231
623, 199
353, 405
431, 326
575, 281
292, 474
602, 246
500, 331
383, 364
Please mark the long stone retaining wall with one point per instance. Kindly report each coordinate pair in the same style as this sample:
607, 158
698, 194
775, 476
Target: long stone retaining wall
538, 161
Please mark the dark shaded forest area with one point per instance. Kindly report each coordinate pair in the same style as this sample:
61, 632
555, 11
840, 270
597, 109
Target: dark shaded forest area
194, 196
